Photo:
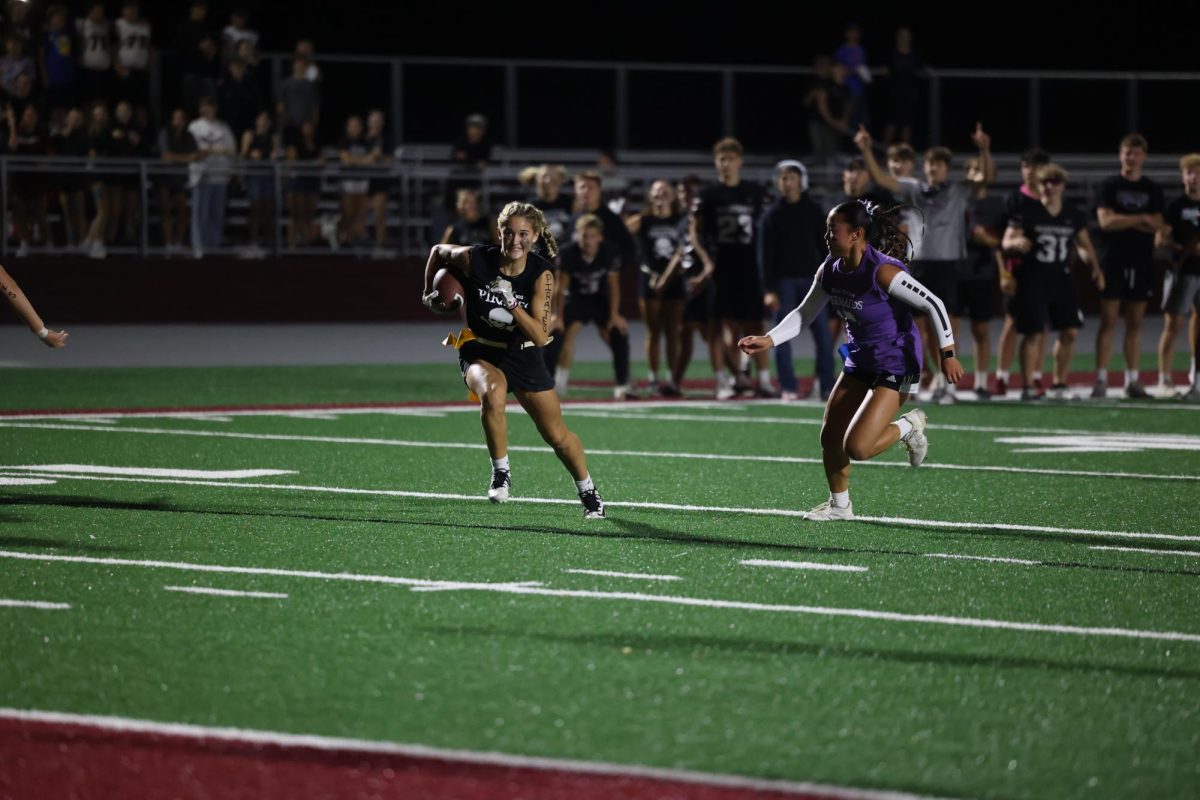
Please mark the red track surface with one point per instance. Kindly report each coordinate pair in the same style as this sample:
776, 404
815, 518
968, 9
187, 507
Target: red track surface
53, 760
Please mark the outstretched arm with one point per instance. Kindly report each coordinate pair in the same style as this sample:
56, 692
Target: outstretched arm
793, 323
882, 177
20, 303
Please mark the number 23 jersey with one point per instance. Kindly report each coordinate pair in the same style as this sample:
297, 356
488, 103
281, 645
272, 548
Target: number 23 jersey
1052, 236
729, 222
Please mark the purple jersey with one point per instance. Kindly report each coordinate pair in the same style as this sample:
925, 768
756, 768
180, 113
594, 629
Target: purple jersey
881, 334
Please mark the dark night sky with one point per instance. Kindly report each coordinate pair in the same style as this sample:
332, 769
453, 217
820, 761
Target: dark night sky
573, 107
999, 35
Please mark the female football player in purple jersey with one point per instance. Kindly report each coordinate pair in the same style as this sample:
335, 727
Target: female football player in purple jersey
866, 281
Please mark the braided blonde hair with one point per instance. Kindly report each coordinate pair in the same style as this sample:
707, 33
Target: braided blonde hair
536, 218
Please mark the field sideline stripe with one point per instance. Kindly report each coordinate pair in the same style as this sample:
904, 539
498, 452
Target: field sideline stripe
603, 409
1192, 553
486, 758
641, 576
995, 559
701, 602
38, 604
762, 562
354, 440
224, 592
767, 512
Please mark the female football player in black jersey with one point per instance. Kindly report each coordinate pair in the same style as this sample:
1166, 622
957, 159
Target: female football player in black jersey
508, 291
658, 235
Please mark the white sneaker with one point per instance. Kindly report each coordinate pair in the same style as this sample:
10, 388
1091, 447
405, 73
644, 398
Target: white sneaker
96, 250
915, 443
828, 512
789, 397
501, 483
726, 389
23, 250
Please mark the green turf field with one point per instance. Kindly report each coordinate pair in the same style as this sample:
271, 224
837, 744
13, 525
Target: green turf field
1062, 659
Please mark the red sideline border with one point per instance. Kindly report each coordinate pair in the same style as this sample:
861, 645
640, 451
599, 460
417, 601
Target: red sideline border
48, 754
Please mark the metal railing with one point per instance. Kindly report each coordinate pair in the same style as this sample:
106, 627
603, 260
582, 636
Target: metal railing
1024, 94
417, 190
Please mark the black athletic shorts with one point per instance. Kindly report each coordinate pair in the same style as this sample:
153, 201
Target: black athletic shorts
886, 380
586, 308
975, 299
525, 370
700, 307
1132, 283
941, 278
737, 297
1043, 300
674, 290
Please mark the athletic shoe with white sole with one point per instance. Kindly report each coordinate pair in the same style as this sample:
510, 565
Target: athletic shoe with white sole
1099, 390
593, 506
501, 483
1135, 391
915, 443
828, 512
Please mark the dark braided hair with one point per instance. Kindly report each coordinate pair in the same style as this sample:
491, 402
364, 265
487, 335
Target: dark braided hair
883, 232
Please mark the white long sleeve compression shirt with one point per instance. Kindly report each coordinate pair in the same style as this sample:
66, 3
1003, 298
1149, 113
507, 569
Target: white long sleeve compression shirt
799, 317
910, 291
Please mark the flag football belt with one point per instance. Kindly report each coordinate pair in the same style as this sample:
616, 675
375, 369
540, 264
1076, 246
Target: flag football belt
467, 335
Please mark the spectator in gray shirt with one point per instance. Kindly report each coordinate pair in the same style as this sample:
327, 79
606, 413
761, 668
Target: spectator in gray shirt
299, 98
944, 205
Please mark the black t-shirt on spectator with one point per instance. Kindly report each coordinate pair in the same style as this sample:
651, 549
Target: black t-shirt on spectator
472, 154
1053, 238
1183, 215
589, 278
1129, 248
615, 233
238, 103
992, 213
467, 232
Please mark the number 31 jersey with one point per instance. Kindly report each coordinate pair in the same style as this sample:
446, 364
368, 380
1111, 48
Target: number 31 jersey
1052, 236
729, 223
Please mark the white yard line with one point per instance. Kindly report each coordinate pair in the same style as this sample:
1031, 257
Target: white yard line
26, 482
38, 604
640, 576
357, 440
153, 472
814, 565
1189, 553
699, 602
224, 592
485, 758
984, 558
767, 512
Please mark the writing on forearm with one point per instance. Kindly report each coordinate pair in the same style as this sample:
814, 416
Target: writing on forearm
546, 307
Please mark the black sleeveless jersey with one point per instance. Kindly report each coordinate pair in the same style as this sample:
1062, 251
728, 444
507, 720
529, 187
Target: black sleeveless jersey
486, 315
658, 240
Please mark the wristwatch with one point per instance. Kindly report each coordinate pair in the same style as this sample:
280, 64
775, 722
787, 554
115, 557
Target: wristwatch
947, 354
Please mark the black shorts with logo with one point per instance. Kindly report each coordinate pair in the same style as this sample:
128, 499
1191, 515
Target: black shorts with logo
885, 380
1133, 283
524, 369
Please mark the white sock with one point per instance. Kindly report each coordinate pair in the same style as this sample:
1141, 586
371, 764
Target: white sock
1131, 376
652, 376
724, 378
585, 485
840, 499
980, 380
1164, 377
905, 427
1002, 375
500, 463
764, 380
1101, 376
561, 375
1037, 374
